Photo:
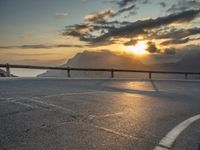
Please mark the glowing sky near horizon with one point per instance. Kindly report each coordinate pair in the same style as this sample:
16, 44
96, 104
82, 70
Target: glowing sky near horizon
31, 31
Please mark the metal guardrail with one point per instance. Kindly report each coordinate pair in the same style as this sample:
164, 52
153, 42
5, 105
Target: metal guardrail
68, 69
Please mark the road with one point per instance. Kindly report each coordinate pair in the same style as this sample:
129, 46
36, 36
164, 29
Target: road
102, 114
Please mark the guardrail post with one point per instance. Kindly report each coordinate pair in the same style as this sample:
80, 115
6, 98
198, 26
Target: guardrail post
186, 76
112, 73
8, 70
68, 73
150, 75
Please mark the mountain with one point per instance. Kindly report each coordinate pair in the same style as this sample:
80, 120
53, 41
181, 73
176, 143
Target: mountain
104, 59
188, 62
191, 61
99, 59
108, 59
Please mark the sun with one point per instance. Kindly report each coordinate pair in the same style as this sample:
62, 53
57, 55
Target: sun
139, 48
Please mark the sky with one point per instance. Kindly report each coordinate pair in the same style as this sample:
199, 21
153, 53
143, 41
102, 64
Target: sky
49, 32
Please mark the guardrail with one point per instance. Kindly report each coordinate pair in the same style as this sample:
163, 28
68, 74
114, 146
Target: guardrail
112, 71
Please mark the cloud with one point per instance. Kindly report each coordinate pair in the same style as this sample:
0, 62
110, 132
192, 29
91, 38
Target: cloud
177, 33
77, 30
123, 3
61, 14
34, 46
183, 5
25, 47
177, 36
99, 16
26, 54
175, 41
163, 4
125, 9
127, 5
131, 42
179, 41
41, 46
104, 15
139, 27
102, 31
152, 48
68, 45
84, 31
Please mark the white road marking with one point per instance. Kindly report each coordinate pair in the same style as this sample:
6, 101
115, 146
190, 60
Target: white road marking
74, 93
24, 104
91, 117
169, 139
116, 132
66, 110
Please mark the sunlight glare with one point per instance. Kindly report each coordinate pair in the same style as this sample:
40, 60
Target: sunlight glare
139, 48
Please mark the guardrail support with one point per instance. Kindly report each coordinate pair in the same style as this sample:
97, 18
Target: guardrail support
68, 73
8, 70
112, 73
150, 75
186, 76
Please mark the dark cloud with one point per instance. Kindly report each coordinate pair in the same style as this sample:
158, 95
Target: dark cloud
105, 32
138, 27
104, 15
125, 9
68, 45
26, 46
163, 4
179, 41
34, 46
183, 5
175, 41
130, 6
26, 54
131, 42
84, 31
152, 48
41, 46
123, 3
78, 30
177, 33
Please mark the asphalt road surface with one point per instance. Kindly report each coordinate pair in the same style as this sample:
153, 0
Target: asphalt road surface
102, 114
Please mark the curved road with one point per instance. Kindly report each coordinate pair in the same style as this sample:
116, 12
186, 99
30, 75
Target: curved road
48, 113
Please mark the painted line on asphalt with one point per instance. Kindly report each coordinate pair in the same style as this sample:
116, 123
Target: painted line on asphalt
23, 104
74, 93
63, 109
169, 139
117, 133
91, 117
10, 100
